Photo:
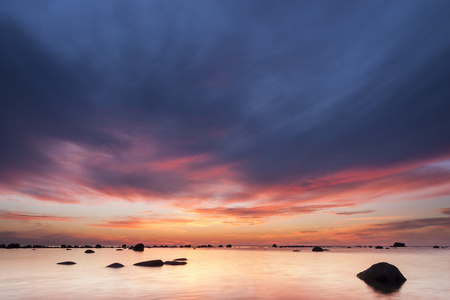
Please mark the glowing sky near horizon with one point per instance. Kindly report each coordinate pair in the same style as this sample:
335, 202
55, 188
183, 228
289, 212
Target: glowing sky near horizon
215, 122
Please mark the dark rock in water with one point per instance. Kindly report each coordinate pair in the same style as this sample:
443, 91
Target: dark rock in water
98, 246
120, 249
175, 263
115, 265
139, 247
317, 249
150, 263
181, 259
89, 251
68, 249
397, 244
295, 250
379, 247
67, 263
436, 247
383, 277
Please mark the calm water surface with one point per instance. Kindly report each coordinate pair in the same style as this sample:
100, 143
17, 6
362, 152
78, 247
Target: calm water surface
220, 274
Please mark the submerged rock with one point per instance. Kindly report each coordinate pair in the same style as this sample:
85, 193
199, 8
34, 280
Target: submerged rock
317, 249
89, 251
139, 247
115, 265
67, 263
150, 263
175, 263
383, 277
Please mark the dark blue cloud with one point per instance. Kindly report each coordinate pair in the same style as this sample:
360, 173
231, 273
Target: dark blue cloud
287, 90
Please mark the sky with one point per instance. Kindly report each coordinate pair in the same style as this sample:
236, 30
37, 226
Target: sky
216, 122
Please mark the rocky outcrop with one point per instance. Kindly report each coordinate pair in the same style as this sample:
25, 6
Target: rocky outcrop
181, 259
175, 263
379, 247
150, 263
139, 247
397, 244
317, 249
383, 277
89, 251
68, 263
115, 265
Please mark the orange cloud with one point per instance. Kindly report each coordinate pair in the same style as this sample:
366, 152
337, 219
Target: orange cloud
139, 223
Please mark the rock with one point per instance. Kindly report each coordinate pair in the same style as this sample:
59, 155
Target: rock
436, 247
181, 259
139, 247
397, 244
67, 263
68, 249
115, 265
317, 249
89, 251
383, 277
98, 246
150, 263
379, 247
120, 249
296, 250
175, 263
274, 246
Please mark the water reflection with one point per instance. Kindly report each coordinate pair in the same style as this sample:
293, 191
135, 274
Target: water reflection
384, 288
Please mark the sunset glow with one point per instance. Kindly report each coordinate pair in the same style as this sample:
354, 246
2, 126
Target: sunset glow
169, 123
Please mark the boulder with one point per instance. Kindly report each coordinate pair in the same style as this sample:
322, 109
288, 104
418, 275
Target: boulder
150, 263
181, 259
120, 249
66, 263
436, 247
383, 277
397, 244
115, 265
139, 247
317, 249
89, 251
379, 247
175, 263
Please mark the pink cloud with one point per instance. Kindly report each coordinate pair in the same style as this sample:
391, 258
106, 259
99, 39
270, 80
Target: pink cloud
22, 216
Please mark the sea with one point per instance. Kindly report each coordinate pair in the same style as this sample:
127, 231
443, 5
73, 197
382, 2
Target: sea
221, 273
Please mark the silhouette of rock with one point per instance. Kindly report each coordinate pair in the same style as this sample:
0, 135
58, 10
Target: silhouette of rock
317, 249
120, 249
436, 247
175, 263
98, 246
379, 247
181, 259
139, 247
115, 265
228, 246
89, 251
2, 246
150, 263
397, 244
68, 249
274, 246
383, 277
67, 263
